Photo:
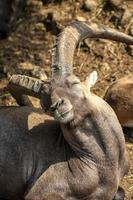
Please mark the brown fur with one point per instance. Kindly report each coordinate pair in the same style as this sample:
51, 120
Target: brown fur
95, 140
120, 97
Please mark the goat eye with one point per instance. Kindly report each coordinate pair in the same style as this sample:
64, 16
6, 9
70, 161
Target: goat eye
75, 83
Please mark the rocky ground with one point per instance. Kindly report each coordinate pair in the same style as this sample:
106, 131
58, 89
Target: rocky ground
28, 49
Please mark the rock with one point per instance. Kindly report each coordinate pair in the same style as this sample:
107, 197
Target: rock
79, 18
90, 5
26, 66
39, 72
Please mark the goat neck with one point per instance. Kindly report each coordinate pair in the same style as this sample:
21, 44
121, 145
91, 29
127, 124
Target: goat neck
88, 123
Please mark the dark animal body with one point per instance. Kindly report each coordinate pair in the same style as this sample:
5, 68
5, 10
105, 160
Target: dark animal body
29, 144
10, 11
78, 154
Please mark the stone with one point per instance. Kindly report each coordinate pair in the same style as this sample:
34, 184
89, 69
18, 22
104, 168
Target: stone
80, 18
39, 73
90, 5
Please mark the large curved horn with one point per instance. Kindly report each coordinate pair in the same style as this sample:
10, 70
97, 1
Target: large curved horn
20, 86
63, 52
33, 85
28, 85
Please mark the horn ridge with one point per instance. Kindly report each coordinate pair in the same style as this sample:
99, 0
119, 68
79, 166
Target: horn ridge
26, 82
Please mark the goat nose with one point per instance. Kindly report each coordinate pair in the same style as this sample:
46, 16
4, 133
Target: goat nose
56, 104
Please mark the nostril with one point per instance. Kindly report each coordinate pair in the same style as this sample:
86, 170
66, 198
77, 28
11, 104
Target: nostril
56, 105
52, 108
61, 101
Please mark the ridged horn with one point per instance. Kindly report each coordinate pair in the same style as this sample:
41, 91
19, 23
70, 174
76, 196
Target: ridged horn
33, 85
63, 51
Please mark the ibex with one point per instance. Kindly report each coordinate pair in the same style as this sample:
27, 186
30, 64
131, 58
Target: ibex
120, 97
80, 153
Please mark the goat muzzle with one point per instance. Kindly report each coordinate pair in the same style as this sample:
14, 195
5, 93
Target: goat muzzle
63, 110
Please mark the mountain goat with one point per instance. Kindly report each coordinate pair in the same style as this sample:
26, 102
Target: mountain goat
80, 152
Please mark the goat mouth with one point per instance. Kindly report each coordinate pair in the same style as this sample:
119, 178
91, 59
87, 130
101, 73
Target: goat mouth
64, 116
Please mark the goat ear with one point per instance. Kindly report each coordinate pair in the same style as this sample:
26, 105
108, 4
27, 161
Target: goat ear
91, 79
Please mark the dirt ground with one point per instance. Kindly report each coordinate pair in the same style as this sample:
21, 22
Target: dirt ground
28, 49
